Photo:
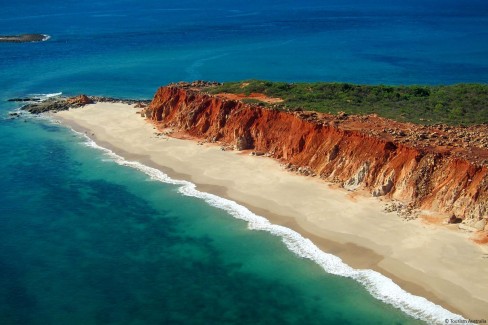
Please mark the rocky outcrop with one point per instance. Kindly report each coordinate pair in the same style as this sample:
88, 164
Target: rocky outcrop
57, 104
352, 150
79, 101
51, 104
38, 105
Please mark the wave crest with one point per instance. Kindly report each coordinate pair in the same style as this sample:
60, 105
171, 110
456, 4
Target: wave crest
43, 97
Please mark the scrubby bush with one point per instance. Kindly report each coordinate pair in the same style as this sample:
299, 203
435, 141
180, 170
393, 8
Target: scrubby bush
453, 104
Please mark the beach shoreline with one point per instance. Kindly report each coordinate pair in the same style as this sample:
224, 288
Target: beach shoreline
359, 232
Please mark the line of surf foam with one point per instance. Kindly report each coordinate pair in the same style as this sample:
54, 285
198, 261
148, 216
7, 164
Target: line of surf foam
378, 285
43, 97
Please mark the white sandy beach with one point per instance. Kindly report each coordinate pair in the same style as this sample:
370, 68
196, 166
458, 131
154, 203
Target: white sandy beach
427, 260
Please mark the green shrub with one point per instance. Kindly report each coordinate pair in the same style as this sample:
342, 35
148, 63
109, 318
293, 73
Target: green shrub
453, 104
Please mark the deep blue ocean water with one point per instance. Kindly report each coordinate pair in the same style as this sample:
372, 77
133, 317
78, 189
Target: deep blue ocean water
84, 240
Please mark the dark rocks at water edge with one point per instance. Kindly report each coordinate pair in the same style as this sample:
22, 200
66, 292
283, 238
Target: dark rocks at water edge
63, 103
101, 99
24, 38
25, 99
57, 104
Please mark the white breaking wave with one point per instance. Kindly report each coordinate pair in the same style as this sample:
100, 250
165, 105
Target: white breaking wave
52, 95
46, 37
43, 97
378, 285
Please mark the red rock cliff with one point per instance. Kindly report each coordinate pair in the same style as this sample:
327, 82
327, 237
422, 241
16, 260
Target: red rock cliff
340, 149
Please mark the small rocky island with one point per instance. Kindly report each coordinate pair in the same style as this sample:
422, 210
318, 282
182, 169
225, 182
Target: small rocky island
24, 38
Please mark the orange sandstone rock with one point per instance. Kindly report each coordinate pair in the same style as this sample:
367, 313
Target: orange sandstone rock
388, 158
80, 100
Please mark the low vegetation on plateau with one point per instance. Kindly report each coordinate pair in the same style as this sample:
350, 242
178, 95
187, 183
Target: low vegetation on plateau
462, 104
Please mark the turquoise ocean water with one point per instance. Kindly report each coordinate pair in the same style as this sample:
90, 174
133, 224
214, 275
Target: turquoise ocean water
87, 238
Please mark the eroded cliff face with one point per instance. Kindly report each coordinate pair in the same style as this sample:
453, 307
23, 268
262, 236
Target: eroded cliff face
430, 178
